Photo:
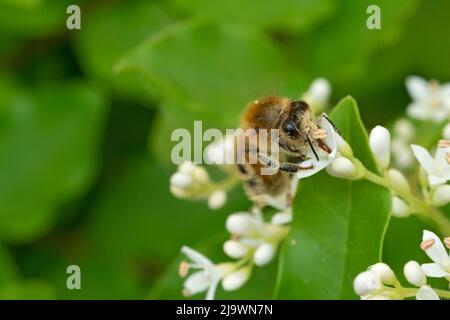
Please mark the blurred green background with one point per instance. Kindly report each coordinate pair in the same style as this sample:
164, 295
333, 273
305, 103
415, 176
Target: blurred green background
86, 117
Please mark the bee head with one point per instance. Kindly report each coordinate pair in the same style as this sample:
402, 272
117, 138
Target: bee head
293, 126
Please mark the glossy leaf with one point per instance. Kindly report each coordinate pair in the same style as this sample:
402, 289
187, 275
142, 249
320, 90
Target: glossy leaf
48, 142
286, 15
197, 66
110, 32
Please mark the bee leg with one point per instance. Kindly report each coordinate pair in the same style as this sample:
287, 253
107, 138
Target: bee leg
267, 161
293, 168
289, 199
323, 146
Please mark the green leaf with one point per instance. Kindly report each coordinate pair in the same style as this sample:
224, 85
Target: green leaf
41, 18
260, 286
109, 32
27, 290
22, 4
137, 216
338, 225
7, 266
344, 45
215, 69
49, 138
286, 15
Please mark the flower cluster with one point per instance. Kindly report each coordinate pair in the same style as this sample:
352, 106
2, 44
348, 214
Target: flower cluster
430, 103
254, 241
379, 282
193, 182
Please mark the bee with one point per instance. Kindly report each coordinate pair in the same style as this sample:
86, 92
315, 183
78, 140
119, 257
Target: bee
297, 130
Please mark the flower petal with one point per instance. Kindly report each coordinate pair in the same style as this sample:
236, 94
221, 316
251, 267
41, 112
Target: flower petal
196, 256
417, 87
437, 251
419, 111
426, 293
197, 282
440, 163
424, 158
434, 270
212, 290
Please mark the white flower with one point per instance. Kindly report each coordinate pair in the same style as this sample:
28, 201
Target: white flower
342, 167
446, 132
217, 199
438, 169
431, 101
221, 152
399, 208
236, 279
189, 180
264, 254
380, 144
325, 158
414, 274
208, 276
235, 249
398, 180
384, 272
441, 196
283, 217
426, 293
242, 224
318, 94
366, 282
435, 249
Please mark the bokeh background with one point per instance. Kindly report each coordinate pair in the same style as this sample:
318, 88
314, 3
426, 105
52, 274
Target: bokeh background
86, 117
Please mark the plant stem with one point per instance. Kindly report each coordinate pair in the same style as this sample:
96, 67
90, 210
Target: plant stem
422, 210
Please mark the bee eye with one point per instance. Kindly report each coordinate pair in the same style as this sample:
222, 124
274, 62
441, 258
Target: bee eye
290, 128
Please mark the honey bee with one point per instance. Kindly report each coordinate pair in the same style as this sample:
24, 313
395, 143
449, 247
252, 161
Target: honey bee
297, 131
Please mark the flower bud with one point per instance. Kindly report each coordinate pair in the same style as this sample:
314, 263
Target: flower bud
414, 274
380, 144
186, 167
235, 249
279, 218
240, 223
366, 282
200, 174
402, 154
343, 147
441, 196
217, 199
237, 279
343, 167
399, 208
404, 130
318, 94
264, 254
398, 180
384, 272
426, 293
446, 132
180, 180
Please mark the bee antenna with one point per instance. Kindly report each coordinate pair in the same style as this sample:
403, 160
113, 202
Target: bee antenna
312, 148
